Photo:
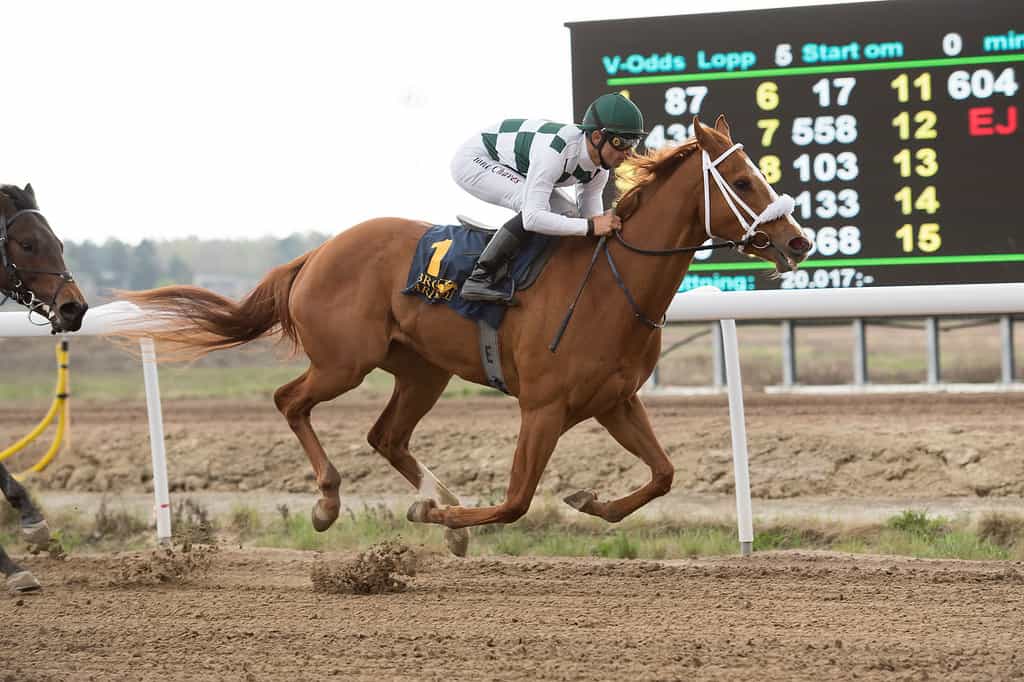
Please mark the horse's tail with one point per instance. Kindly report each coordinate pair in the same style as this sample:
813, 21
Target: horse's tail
189, 321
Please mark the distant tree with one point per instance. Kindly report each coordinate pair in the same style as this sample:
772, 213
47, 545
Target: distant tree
114, 257
291, 247
84, 258
178, 271
144, 269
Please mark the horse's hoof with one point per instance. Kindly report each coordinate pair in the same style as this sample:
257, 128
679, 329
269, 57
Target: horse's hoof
419, 512
22, 582
36, 536
457, 540
580, 499
322, 520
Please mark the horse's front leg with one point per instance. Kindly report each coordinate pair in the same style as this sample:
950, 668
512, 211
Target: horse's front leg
538, 434
629, 425
34, 529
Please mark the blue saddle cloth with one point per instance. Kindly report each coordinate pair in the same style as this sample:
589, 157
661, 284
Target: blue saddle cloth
443, 260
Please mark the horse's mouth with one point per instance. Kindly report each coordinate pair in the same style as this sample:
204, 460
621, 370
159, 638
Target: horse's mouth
783, 261
58, 323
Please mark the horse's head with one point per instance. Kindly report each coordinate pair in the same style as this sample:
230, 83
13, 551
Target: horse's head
32, 270
739, 204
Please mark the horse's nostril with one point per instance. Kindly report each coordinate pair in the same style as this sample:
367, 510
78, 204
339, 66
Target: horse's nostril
72, 310
799, 244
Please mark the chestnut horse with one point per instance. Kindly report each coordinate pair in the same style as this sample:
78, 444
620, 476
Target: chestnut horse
32, 274
342, 304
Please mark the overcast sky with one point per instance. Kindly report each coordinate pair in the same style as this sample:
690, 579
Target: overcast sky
140, 120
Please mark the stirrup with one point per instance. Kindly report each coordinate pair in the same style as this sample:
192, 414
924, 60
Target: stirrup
496, 296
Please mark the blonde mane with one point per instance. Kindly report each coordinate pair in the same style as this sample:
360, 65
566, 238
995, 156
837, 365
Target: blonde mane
646, 170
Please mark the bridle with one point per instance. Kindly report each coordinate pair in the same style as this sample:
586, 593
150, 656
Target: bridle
780, 207
16, 289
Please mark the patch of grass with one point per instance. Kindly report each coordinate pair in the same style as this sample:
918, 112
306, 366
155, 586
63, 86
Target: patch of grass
244, 521
616, 547
917, 523
1004, 530
547, 531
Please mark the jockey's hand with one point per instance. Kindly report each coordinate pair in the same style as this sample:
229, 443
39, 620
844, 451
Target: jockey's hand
606, 224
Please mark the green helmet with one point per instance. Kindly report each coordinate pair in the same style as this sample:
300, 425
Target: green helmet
616, 114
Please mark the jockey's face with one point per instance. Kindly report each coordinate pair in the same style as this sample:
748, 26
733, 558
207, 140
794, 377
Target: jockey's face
608, 155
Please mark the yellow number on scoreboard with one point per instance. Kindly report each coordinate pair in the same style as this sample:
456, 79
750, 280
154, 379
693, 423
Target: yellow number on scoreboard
767, 96
769, 126
927, 166
771, 167
928, 238
926, 201
926, 121
901, 84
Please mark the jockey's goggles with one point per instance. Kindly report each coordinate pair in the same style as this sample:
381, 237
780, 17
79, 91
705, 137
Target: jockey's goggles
621, 143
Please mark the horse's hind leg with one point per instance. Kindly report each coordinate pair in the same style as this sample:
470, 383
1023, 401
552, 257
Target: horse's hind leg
418, 385
33, 525
628, 423
296, 400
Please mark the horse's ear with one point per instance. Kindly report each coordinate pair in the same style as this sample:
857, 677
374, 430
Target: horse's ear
702, 134
29, 191
722, 126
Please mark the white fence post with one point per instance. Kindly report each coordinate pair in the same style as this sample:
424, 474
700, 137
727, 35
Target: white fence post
740, 465
161, 495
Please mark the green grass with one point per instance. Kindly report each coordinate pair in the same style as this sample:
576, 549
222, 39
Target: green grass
547, 532
183, 383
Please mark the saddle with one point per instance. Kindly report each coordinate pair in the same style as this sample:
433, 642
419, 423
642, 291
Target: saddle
446, 254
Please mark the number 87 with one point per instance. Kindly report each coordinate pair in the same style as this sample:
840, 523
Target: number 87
676, 99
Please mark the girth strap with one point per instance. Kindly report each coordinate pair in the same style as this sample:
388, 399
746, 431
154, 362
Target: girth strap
490, 354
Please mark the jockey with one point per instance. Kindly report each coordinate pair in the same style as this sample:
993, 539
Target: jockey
519, 163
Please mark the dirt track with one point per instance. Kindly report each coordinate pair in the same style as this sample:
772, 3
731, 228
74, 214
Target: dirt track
774, 616
863, 446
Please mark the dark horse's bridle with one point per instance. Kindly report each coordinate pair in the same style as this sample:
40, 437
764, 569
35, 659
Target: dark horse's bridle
16, 289
758, 239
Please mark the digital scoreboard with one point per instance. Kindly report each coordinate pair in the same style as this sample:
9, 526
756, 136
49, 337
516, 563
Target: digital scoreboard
896, 126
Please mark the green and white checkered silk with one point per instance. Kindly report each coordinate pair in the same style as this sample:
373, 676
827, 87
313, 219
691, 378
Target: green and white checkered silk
511, 142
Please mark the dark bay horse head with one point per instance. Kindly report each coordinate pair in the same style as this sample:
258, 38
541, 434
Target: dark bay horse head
32, 269
739, 204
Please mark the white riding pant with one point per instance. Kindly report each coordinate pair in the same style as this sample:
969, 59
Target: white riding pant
487, 180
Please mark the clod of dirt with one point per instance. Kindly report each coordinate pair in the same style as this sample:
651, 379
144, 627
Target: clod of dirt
375, 571
173, 564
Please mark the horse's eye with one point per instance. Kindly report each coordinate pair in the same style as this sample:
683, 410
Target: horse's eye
742, 184
27, 247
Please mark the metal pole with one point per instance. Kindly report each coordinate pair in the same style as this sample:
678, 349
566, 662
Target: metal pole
741, 469
717, 357
931, 325
1006, 333
156, 442
788, 353
860, 352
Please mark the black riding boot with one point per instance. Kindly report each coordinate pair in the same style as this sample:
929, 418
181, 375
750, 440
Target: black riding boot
492, 265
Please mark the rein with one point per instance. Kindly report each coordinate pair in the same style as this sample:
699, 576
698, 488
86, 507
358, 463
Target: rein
779, 207
16, 289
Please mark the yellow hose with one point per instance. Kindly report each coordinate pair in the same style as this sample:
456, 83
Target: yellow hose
58, 409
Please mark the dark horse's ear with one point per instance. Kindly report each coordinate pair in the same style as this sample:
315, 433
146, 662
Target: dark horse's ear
29, 191
722, 126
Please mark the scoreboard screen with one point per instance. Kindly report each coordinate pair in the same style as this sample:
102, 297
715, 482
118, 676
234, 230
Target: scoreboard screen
896, 126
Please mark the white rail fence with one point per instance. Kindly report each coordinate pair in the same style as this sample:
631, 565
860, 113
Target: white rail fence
705, 304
